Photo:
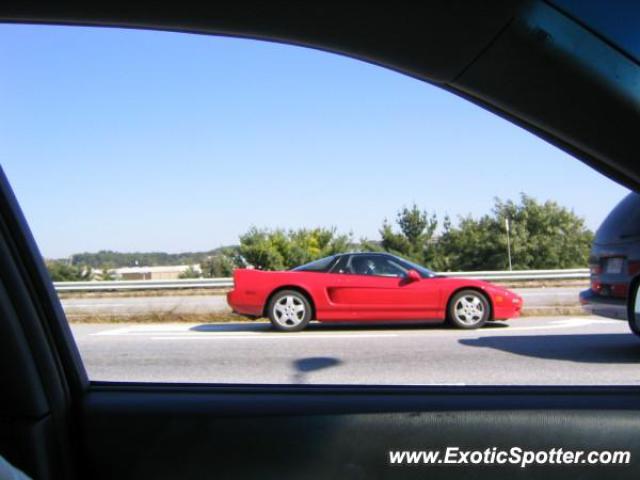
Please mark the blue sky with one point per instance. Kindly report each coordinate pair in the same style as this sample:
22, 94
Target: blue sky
131, 140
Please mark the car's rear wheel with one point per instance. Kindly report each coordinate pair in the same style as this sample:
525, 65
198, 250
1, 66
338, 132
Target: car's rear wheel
289, 311
468, 309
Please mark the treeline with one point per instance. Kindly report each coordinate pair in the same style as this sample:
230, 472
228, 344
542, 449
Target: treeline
540, 236
101, 265
113, 259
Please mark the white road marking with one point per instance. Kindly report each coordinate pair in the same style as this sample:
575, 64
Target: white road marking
557, 324
117, 331
451, 384
271, 336
146, 329
548, 294
96, 305
220, 331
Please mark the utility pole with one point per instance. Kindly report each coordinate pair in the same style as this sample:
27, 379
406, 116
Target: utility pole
506, 222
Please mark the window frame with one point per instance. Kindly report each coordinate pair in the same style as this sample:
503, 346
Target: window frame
138, 401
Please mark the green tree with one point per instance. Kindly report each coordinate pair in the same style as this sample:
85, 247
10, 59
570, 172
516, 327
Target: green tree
63, 272
438, 258
190, 272
279, 249
263, 248
142, 259
472, 245
413, 239
217, 266
543, 236
106, 274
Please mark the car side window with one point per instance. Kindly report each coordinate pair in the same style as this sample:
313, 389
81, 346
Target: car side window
341, 266
320, 266
375, 265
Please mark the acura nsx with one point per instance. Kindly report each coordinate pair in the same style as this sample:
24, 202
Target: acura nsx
364, 287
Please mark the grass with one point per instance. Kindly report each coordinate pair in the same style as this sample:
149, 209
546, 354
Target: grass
559, 311
160, 317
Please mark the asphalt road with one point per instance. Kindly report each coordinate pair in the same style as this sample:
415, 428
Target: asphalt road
533, 297
527, 351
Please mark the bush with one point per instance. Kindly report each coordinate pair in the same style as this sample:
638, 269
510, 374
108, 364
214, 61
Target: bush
63, 272
280, 250
542, 236
218, 266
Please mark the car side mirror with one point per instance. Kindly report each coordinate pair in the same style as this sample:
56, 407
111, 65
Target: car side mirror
413, 276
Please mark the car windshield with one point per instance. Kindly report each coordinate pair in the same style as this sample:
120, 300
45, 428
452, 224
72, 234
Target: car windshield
321, 265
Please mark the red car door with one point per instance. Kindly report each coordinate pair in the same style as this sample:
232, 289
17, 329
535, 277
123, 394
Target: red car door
375, 287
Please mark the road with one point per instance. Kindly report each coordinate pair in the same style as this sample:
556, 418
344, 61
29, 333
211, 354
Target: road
534, 350
533, 297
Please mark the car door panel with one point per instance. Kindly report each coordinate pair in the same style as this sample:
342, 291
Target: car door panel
373, 286
331, 432
368, 294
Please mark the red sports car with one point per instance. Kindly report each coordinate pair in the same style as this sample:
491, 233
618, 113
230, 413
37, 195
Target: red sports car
354, 287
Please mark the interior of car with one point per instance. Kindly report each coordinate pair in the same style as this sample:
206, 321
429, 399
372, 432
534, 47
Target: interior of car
554, 68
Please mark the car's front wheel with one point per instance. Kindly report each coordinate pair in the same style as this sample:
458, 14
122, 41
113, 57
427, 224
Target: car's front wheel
468, 309
289, 311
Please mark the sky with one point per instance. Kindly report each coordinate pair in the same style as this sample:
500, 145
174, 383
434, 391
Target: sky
155, 141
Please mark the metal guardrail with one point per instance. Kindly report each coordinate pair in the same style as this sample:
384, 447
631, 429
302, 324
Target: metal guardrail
94, 286
572, 273
143, 284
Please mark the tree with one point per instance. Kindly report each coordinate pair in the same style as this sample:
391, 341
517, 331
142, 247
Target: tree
280, 249
217, 266
472, 245
142, 259
190, 272
63, 272
106, 274
263, 248
543, 235
414, 240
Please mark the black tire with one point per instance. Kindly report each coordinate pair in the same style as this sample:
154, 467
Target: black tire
289, 311
634, 325
468, 309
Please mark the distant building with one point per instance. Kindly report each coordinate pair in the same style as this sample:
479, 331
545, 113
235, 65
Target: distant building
169, 272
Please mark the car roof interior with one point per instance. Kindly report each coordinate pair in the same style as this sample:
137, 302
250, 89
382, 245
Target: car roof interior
538, 64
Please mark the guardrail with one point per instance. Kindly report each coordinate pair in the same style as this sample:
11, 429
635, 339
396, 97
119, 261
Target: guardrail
143, 284
572, 273
95, 286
